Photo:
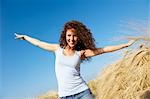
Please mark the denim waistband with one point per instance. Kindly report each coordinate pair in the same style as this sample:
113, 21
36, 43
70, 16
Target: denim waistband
83, 92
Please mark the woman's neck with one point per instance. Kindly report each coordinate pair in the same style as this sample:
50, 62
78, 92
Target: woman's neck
70, 48
68, 51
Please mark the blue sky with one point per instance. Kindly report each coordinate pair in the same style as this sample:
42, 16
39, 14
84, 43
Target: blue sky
28, 70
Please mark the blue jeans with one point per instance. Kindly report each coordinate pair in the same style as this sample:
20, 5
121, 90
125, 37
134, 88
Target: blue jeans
82, 95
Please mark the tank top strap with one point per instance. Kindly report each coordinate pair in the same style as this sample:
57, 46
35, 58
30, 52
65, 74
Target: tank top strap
59, 49
78, 53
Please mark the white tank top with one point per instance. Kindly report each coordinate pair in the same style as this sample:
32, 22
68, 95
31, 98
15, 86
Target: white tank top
67, 70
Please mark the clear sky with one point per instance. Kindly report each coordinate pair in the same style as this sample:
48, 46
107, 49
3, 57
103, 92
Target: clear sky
27, 70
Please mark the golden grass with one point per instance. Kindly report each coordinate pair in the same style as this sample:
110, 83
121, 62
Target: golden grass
49, 95
126, 79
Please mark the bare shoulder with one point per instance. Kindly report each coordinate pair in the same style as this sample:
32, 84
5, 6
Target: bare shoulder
82, 51
51, 47
56, 46
86, 53
91, 53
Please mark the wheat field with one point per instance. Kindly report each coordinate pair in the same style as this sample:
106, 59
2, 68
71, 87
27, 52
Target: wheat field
129, 78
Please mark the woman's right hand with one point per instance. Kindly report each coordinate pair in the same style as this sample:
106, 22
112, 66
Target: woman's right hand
18, 36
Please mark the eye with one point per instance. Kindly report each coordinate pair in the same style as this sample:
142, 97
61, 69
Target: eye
69, 34
75, 35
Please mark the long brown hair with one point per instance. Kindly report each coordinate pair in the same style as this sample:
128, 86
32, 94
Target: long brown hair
85, 38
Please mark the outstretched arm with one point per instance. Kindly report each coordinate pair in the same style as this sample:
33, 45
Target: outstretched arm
117, 47
90, 53
38, 43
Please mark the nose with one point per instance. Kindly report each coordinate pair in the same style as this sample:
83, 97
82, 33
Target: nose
72, 38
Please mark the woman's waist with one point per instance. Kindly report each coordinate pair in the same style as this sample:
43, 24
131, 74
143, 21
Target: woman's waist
65, 90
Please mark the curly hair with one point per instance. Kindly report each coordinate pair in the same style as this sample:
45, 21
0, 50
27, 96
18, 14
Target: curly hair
85, 38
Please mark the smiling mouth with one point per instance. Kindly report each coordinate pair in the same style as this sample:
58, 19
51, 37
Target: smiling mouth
72, 43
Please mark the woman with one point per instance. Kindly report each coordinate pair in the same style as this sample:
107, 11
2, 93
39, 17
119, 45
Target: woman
76, 45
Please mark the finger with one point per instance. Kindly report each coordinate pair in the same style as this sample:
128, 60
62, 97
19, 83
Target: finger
17, 38
15, 34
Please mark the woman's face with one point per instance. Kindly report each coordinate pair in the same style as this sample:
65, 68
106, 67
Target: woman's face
71, 38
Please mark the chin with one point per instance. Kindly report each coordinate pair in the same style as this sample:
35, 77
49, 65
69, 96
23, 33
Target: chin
72, 46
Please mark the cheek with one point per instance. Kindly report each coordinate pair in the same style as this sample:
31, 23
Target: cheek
67, 38
76, 38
